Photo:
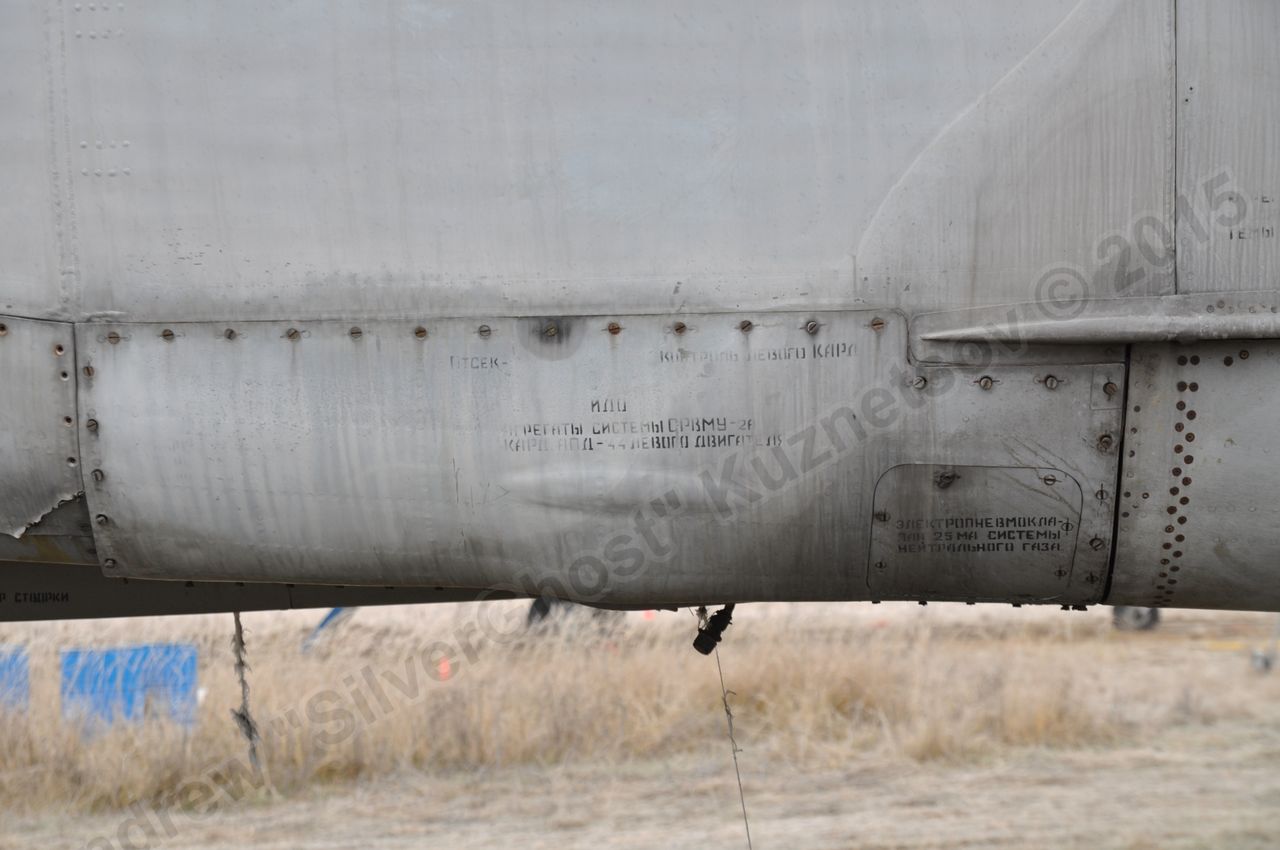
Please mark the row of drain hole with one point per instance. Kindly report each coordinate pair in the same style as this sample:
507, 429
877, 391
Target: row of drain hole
1183, 437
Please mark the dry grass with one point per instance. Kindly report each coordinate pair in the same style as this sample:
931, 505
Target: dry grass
817, 690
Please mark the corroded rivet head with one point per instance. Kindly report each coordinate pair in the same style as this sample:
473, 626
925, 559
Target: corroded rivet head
355, 333
986, 382
166, 335
229, 333
1105, 442
292, 334
811, 327
1111, 388
102, 519
679, 327
484, 330
877, 324
113, 338
615, 328
420, 332
88, 371
552, 329
745, 326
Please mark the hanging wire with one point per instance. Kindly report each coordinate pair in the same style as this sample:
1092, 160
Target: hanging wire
733, 743
243, 718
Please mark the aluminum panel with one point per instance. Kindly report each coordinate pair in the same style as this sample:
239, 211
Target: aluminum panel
1201, 499
981, 533
736, 454
39, 454
36, 224
254, 160
1228, 150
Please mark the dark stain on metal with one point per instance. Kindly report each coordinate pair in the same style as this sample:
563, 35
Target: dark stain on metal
944, 478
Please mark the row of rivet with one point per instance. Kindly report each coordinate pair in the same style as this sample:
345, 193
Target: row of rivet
550, 330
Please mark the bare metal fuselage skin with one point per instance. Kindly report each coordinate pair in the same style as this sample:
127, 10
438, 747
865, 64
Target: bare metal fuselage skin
638, 304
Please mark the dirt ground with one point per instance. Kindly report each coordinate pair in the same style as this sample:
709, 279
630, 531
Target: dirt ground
1209, 784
